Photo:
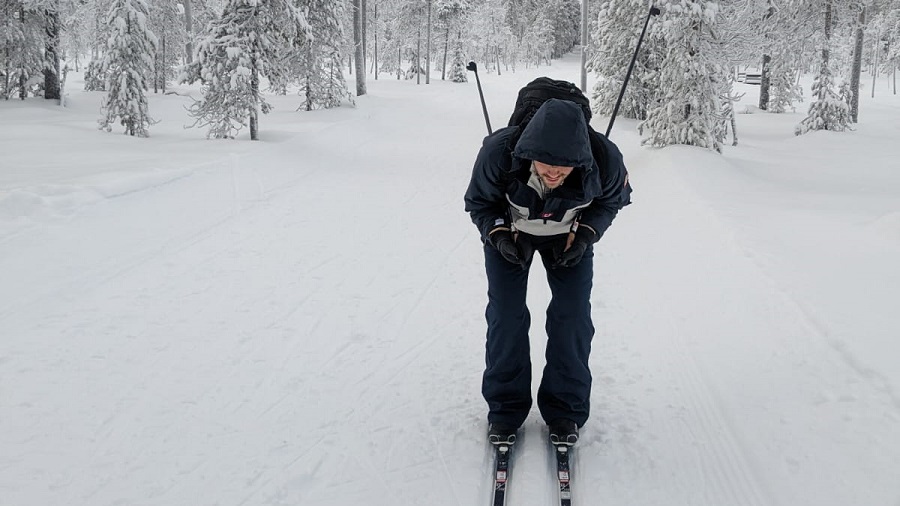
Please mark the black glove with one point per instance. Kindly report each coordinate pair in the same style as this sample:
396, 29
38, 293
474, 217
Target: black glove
584, 237
502, 240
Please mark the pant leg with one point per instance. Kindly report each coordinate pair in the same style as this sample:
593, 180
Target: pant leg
506, 384
565, 389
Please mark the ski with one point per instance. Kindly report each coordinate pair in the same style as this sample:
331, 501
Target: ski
501, 472
563, 475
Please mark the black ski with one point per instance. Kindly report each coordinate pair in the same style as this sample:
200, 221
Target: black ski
563, 475
501, 472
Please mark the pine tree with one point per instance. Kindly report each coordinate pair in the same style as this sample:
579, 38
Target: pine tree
127, 63
250, 39
566, 19
318, 61
692, 80
619, 25
21, 42
94, 79
167, 21
828, 111
458, 67
451, 15
784, 90
539, 39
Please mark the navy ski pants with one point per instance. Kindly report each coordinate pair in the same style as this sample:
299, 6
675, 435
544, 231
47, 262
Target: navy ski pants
565, 387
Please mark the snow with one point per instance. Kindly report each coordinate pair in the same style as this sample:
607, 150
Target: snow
299, 320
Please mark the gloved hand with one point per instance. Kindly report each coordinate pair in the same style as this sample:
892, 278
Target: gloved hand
502, 241
570, 256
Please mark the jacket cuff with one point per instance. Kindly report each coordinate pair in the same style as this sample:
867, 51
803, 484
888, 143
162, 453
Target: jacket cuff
587, 233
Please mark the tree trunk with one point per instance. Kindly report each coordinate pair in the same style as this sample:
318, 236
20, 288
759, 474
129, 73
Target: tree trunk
399, 62
164, 68
375, 56
732, 119
23, 79
363, 15
254, 109
308, 91
51, 55
764, 83
358, 45
446, 47
418, 56
189, 29
856, 70
825, 47
584, 44
428, 47
95, 52
6, 76
875, 66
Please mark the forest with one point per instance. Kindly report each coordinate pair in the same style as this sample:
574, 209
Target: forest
240, 51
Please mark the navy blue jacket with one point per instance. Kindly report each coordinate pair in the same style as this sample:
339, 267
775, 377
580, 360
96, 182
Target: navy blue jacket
558, 135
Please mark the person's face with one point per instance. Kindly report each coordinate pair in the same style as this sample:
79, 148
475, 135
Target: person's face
552, 175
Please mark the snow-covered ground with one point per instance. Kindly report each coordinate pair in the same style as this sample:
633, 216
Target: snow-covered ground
300, 320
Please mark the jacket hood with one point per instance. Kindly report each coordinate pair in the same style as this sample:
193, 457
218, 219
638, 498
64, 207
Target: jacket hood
557, 135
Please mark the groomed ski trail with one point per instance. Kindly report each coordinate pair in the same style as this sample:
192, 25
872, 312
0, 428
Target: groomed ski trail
269, 333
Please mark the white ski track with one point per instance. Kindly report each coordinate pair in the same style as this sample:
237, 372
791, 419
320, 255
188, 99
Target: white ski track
303, 324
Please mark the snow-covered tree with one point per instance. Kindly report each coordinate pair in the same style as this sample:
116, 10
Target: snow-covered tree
619, 24
458, 66
538, 40
450, 17
250, 39
94, 78
892, 34
83, 31
318, 62
487, 33
127, 64
828, 111
688, 110
21, 48
166, 19
784, 90
566, 19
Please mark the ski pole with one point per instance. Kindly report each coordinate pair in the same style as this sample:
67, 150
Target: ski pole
653, 12
474, 68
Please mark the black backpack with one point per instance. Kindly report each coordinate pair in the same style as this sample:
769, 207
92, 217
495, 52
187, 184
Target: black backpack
539, 91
